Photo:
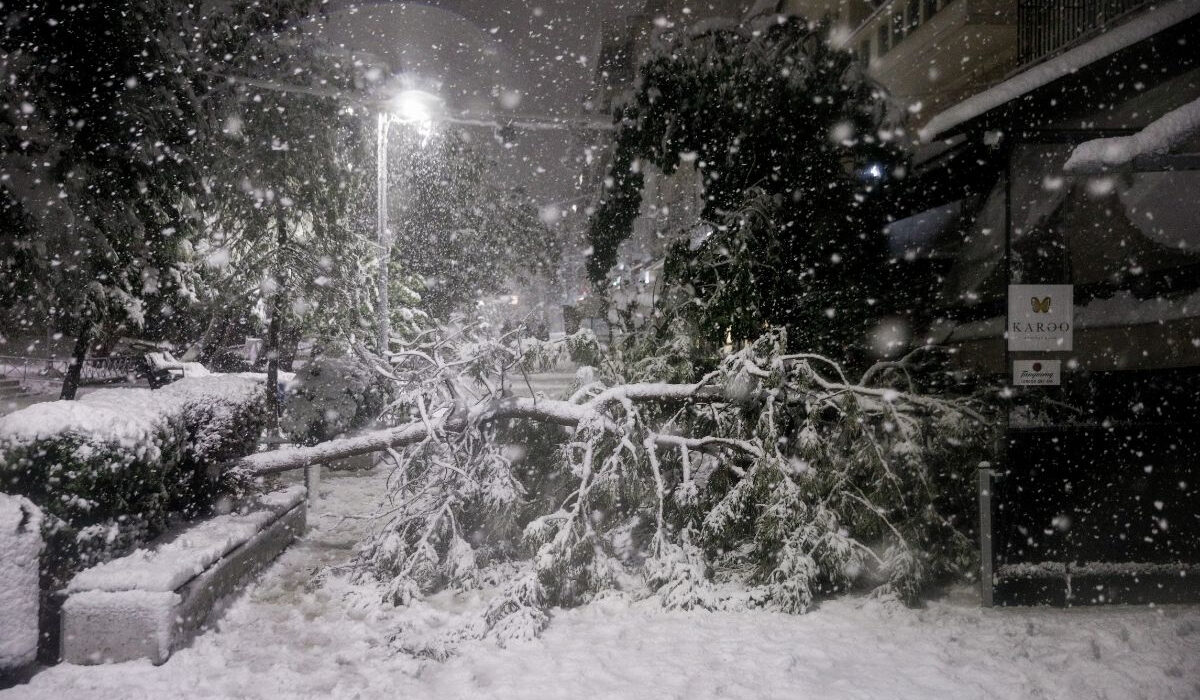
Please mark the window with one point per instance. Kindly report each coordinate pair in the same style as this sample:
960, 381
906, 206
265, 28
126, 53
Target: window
913, 14
882, 37
864, 51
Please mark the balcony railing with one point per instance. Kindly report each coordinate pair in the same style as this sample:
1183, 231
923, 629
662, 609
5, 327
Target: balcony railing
1045, 27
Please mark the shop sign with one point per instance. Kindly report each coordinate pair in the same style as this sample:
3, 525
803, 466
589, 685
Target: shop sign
1037, 372
1040, 317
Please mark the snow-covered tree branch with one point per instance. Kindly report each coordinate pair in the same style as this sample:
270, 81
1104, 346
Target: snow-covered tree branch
767, 480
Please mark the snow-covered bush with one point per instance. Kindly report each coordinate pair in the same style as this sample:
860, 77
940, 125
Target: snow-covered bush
331, 396
109, 469
771, 480
580, 348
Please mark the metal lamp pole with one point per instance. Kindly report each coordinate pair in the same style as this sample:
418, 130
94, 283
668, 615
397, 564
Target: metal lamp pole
384, 119
385, 236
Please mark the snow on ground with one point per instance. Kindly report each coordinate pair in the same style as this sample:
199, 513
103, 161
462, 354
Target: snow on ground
288, 638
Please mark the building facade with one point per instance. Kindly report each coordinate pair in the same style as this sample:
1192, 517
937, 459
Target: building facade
1072, 181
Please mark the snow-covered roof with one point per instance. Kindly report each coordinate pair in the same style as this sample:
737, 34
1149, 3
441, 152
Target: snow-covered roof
1158, 138
1123, 36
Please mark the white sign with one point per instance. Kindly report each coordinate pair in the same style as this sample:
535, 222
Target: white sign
1037, 372
1040, 317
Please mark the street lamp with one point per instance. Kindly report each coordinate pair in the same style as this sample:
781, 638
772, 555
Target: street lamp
419, 109
414, 106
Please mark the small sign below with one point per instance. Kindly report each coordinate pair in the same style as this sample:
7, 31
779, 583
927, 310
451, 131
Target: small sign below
1037, 372
1040, 317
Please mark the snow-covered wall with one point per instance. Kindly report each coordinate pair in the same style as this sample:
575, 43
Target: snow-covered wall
20, 545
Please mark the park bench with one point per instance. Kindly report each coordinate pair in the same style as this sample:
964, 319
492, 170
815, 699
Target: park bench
162, 368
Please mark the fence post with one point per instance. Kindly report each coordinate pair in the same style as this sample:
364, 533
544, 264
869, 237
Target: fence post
986, 581
312, 480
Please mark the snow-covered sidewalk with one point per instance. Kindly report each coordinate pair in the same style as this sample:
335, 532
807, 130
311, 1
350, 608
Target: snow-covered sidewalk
289, 637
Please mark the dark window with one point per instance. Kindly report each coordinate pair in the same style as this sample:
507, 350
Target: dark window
930, 9
864, 51
913, 13
897, 28
883, 35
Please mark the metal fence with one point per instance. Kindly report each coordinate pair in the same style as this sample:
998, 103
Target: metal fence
1045, 27
96, 370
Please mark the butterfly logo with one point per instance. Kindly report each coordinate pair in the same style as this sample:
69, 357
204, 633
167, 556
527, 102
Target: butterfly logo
1041, 306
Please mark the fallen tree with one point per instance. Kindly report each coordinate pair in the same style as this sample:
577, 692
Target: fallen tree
768, 480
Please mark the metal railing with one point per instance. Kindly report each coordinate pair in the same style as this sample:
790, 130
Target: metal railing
96, 370
1045, 27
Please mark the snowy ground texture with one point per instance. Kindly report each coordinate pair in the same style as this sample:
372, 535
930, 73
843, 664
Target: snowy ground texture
287, 638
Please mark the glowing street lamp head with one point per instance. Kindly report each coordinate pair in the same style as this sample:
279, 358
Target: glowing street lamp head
417, 107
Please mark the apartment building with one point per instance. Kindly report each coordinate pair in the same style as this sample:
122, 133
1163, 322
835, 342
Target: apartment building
1072, 181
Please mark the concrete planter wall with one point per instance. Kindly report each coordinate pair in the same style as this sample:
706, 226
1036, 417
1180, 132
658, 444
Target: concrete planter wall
152, 602
20, 546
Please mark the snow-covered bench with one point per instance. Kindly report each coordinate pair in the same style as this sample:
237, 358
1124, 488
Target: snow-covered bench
163, 368
153, 601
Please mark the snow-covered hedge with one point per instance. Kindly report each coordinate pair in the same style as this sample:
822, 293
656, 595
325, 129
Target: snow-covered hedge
331, 396
109, 468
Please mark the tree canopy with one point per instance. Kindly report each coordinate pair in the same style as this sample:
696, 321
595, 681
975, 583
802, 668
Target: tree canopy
158, 158
793, 145
456, 225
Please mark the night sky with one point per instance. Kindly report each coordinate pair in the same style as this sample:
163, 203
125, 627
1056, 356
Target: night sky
500, 57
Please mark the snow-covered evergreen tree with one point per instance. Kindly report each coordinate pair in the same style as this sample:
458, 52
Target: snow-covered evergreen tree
100, 113
794, 147
458, 227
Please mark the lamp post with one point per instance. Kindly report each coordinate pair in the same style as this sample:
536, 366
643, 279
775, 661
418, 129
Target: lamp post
385, 236
415, 107
420, 107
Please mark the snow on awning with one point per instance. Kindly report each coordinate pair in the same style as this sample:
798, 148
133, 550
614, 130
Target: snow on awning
1158, 138
1138, 29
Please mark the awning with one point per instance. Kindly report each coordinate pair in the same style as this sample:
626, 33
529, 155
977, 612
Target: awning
919, 236
1157, 139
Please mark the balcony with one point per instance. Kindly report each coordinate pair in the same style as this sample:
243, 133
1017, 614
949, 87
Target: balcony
1045, 27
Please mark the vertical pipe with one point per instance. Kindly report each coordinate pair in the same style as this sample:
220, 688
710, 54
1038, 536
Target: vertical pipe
987, 474
986, 557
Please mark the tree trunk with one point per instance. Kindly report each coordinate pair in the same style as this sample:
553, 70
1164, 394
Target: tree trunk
78, 355
289, 347
550, 411
274, 331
